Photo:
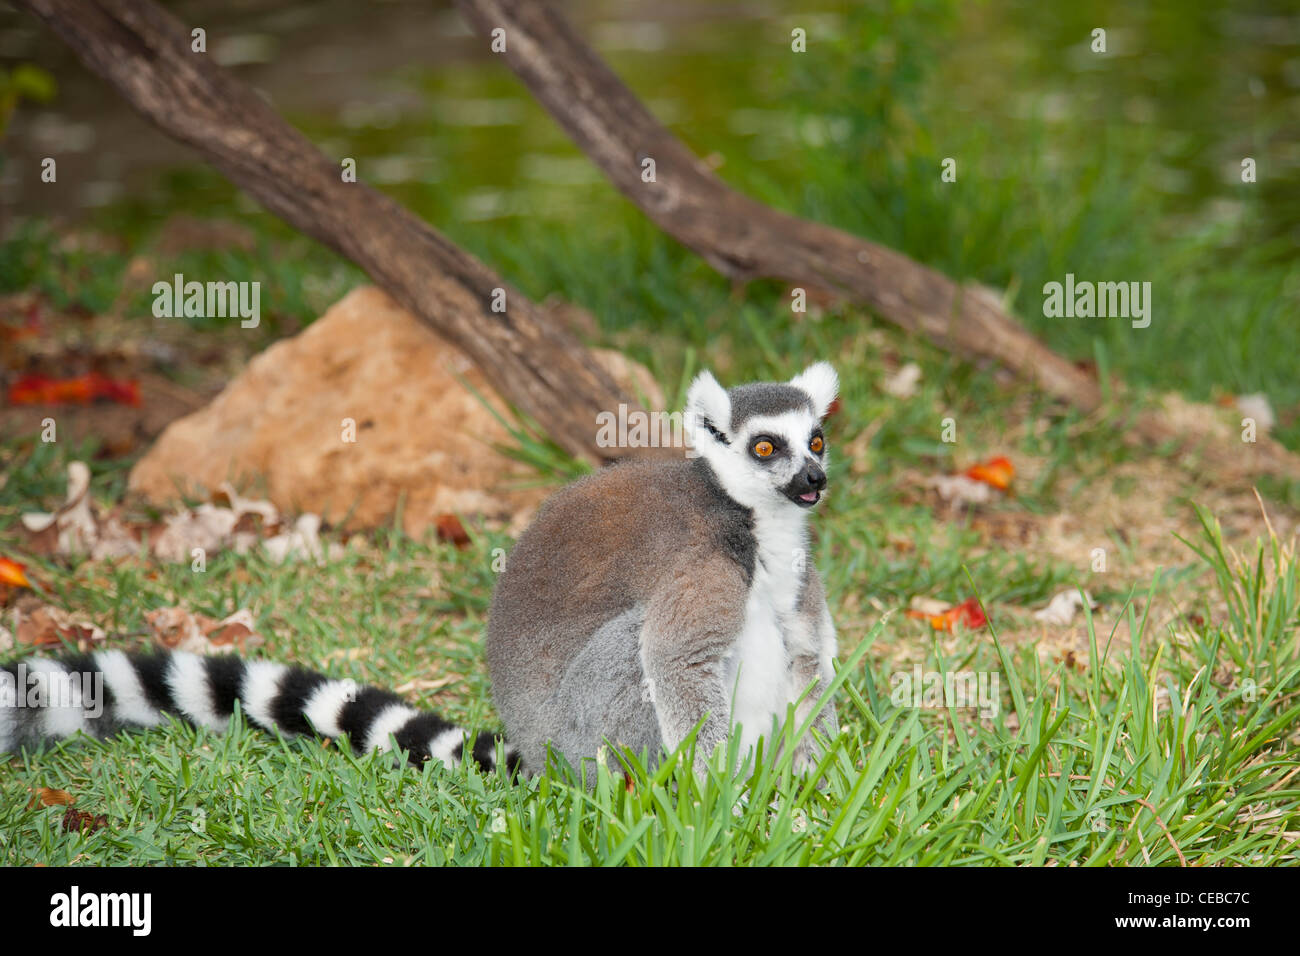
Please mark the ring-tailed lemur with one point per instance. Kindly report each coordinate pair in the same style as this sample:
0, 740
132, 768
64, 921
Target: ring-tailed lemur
649, 595
643, 599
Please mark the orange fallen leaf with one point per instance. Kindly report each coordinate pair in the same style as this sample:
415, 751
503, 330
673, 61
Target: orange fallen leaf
49, 797
997, 472
13, 573
43, 390
968, 614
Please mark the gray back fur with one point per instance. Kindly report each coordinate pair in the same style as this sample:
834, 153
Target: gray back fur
564, 626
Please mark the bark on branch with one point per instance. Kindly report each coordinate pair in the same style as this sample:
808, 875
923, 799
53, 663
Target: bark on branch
144, 52
744, 239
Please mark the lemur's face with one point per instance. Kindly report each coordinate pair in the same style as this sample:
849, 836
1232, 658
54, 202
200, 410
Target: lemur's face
787, 452
765, 441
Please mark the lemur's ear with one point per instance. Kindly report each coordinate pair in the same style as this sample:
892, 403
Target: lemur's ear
821, 384
707, 405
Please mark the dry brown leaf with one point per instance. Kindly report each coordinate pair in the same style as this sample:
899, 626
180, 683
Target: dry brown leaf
928, 607
269, 514
176, 628
241, 524
74, 529
181, 629
423, 684
451, 530
961, 491
302, 542
47, 626
235, 632
74, 521
207, 528
903, 383
1064, 605
81, 822
49, 797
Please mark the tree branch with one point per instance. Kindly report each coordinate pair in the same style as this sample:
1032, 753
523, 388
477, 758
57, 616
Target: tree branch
744, 239
145, 53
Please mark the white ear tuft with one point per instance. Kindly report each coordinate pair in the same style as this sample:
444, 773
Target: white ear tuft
707, 401
822, 385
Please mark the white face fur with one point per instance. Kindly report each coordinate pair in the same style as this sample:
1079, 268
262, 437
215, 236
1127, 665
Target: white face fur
765, 445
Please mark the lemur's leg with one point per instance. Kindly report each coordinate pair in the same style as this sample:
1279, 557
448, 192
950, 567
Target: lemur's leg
692, 622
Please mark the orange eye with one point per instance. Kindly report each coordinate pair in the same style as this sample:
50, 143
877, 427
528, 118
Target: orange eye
817, 444
763, 448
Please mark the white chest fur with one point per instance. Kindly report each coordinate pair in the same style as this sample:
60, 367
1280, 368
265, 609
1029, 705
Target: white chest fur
759, 668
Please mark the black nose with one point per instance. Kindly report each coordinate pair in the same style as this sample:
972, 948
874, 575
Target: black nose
815, 477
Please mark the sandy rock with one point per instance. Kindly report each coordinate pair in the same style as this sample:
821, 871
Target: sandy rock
280, 428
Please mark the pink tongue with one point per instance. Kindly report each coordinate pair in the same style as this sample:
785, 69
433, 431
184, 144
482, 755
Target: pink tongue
811, 496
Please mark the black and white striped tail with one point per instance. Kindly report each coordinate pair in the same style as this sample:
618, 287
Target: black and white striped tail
136, 690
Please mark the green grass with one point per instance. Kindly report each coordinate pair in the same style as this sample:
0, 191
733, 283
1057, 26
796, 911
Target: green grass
1176, 745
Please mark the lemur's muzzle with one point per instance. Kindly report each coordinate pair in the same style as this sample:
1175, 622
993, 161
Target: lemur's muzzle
805, 488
